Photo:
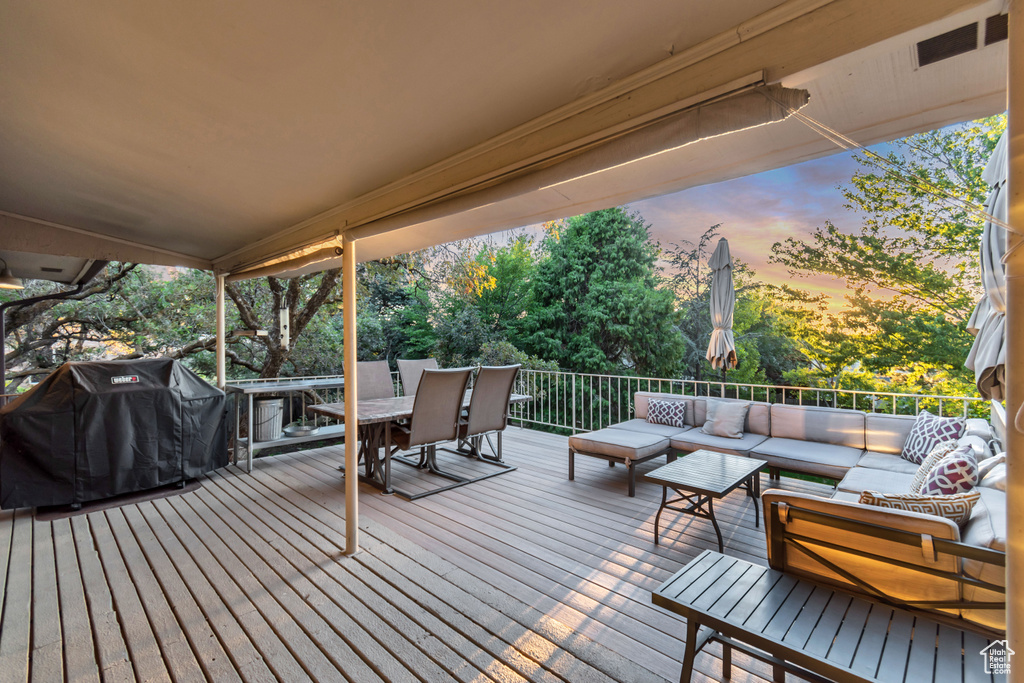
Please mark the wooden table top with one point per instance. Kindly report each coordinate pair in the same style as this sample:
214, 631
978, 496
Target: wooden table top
835, 633
706, 472
377, 410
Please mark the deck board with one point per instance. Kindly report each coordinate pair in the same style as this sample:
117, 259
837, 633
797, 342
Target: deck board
522, 577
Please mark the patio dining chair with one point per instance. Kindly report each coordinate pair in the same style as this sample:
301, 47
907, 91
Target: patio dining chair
411, 370
488, 410
435, 415
374, 380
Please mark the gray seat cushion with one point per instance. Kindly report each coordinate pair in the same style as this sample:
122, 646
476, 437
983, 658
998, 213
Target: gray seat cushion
887, 462
869, 479
619, 443
638, 425
837, 426
810, 457
695, 439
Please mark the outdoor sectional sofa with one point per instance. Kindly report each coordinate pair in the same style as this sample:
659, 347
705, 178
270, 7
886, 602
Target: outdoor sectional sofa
860, 450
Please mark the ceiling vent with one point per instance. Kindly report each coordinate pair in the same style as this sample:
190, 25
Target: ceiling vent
949, 44
47, 269
996, 28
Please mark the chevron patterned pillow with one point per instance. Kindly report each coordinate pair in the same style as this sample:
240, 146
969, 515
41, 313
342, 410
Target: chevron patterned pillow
956, 508
928, 432
671, 413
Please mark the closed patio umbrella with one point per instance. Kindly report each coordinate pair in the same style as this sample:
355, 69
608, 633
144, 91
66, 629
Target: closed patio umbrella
722, 348
988, 322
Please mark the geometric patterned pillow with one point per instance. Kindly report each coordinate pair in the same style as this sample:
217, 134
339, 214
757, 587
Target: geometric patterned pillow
956, 508
937, 454
928, 432
671, 413
956, 473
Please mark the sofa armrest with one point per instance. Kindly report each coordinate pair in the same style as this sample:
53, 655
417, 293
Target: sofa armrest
883, 553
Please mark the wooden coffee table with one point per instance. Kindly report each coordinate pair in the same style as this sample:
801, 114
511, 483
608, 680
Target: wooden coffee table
702, 477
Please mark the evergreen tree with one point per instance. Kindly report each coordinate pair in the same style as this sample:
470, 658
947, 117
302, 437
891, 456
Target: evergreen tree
598, 306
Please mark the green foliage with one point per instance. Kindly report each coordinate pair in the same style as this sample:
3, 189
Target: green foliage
504, 353
761, 328
911, 267
598, 306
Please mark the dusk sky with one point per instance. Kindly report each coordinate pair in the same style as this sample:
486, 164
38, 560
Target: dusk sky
759, 210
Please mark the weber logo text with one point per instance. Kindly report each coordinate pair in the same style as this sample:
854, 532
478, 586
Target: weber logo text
125, 379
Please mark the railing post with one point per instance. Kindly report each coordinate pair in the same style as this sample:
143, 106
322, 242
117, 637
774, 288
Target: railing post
573, 403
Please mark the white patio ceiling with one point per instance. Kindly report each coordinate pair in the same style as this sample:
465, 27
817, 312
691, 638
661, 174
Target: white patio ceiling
211, 136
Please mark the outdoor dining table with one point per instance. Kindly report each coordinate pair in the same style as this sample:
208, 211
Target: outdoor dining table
375, 418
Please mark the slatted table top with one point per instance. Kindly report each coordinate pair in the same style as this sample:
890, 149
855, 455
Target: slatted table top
706, 472
832, 632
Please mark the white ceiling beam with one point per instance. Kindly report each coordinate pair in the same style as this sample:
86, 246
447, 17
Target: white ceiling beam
34, 236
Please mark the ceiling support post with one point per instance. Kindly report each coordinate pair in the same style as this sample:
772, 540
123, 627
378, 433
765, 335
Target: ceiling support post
348, 285
221, 331
1015, 332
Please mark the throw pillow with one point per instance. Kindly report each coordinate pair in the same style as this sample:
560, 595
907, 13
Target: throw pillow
725, 418
956, 473
995, 478
671, 413
928, 432
937, 454
988, 464
956, 508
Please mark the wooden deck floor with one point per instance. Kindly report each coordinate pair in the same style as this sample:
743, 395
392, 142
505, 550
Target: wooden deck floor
526, 576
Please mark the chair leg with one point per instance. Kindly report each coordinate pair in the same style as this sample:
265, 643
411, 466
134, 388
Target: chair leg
632, 478
572, 465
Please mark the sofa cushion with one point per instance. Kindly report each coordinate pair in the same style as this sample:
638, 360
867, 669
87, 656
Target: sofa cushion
986, 529
887, 433
835, 426
695, 439
823, 459
725, 418
639, 425
987, 465
887, 462
956, 473
978, 445
993, 476
758, 420
641, 399
979, 427
928, 432
863, 479
956, 508
619, 443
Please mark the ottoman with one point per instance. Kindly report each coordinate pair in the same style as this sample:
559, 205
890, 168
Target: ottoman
619, 445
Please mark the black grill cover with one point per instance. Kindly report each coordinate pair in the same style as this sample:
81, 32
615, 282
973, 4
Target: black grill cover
95, 430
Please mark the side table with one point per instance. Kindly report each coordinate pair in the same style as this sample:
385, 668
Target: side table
702, 477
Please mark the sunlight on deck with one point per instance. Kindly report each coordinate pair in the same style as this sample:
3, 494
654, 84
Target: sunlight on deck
525, 576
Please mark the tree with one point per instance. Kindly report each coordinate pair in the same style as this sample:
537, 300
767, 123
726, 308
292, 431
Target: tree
598, 306
912, 265
760, 326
